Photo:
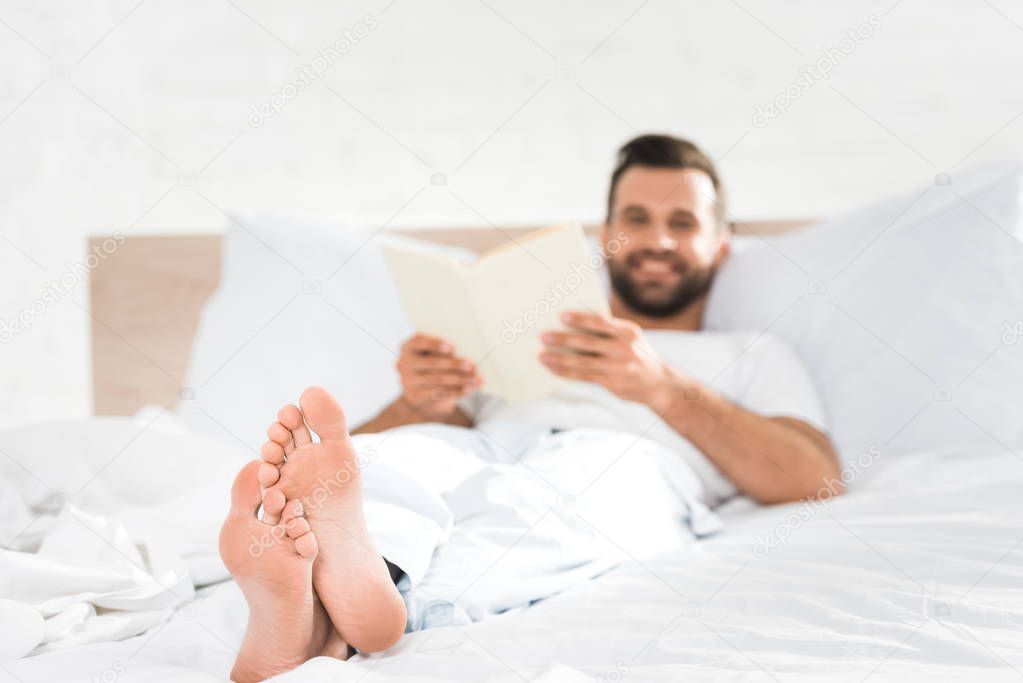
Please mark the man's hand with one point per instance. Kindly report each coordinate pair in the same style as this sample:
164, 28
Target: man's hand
610, 352
433, 378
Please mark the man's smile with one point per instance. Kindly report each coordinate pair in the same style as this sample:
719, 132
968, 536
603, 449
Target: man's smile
656, 268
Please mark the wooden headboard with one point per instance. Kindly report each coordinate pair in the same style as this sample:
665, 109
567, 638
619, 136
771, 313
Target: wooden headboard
147, 295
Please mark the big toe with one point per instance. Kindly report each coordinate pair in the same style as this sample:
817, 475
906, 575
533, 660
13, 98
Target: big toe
245, 493
323, 413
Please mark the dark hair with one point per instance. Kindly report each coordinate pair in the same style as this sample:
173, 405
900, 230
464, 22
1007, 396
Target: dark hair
665, 151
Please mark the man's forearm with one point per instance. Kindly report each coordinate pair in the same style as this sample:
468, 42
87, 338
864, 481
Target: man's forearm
400, 413
773, 460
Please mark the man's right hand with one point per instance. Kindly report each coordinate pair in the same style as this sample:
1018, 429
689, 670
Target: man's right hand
433, 378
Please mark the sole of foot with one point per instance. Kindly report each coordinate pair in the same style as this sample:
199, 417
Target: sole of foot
273, 566
349, 575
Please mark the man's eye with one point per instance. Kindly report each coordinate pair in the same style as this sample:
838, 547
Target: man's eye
681, 225
636, 220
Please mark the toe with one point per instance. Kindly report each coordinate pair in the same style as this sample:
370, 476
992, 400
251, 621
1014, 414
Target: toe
291, 417
324, 414
268, 474
281, 435
272, 452
306, 545
273, 505
245, 495
296, 527
293, 509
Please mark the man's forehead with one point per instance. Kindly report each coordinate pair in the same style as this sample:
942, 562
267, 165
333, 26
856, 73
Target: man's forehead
665, 188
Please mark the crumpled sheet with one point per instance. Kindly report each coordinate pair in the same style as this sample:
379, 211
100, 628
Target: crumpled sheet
108, 525
913, 575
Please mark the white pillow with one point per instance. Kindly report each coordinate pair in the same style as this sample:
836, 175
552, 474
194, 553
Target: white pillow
298, 304
909, 313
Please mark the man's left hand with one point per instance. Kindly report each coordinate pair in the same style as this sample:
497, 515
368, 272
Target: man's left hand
611, 352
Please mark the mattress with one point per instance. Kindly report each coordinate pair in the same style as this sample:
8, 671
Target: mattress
917, 572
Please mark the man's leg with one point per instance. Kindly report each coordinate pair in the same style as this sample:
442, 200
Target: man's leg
573, 507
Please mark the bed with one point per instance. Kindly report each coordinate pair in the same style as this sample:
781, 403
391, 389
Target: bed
916, 573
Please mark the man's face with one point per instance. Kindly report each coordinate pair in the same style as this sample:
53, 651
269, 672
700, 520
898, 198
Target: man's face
673, 245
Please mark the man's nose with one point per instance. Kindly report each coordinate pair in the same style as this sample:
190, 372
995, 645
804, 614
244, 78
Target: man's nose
664, 240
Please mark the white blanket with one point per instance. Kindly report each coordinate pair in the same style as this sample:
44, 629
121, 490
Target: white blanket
512, 528
114, 523
107, 528
916, 572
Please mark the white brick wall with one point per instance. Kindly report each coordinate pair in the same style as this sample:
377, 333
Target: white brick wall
155, 89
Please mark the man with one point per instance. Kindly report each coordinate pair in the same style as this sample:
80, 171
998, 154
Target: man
667, 204
678, 417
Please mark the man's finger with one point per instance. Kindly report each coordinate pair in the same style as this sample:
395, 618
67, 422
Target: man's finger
425, 343
589, 322
449, 393
450, 380
577, 374
574, 361
424, 364
580, 341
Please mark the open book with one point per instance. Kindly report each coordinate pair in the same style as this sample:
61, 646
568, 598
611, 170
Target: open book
494, 307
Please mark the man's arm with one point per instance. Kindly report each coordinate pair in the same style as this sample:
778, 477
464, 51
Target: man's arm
433, 380
773, 460
400, 412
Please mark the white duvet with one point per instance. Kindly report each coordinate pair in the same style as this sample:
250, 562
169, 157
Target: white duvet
918, 572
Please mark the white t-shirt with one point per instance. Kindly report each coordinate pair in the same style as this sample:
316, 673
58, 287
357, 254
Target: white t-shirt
756, 371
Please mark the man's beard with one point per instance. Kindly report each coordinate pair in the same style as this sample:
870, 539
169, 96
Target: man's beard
692, 286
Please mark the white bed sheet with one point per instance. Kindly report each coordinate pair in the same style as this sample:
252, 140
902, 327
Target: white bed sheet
918, 572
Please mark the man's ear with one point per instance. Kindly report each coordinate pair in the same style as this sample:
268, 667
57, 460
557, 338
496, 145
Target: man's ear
725, 246
603, 236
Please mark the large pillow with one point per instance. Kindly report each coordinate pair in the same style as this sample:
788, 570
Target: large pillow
298, 304
909, 313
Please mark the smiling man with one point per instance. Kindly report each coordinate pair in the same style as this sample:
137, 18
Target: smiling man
739, 408
480, 506
764, 432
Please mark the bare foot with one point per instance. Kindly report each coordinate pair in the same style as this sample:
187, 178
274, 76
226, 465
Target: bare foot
349, 575
272, 564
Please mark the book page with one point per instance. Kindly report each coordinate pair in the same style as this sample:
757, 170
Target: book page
518, 292
436, 296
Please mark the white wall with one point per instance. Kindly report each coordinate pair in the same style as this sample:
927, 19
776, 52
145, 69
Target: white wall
106, 108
